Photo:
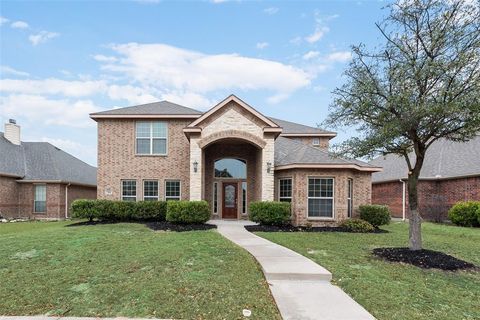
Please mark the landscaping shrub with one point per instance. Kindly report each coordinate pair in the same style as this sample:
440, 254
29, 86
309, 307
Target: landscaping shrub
465, 214
270, 212
357, 225
151, 210
188, 211
84, 209
375, 214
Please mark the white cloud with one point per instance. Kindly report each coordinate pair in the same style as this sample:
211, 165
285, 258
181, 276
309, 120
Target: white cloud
39, 110
3, 20
133, 95
197, 101
296, 40
53, 86
19, 25
170, 69
318, 34
311, 55
9, 70
271, 10
42, 37
340, 56
262, 45
102, 58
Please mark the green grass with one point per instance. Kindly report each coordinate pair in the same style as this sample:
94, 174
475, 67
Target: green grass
127, 270
397, 291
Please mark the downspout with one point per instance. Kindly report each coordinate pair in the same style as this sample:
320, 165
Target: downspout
403, 198
66, 200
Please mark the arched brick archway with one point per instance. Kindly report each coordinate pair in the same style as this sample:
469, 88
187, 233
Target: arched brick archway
232, 134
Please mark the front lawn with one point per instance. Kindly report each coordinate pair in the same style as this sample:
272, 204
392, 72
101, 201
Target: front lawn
126, 269
397, 291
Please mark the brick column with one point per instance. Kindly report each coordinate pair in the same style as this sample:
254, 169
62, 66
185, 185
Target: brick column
268, 178
195, 177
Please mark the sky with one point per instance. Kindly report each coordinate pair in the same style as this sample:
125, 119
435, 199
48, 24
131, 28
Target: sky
61, 60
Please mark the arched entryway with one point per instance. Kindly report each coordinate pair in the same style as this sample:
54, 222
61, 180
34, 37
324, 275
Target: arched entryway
231, 176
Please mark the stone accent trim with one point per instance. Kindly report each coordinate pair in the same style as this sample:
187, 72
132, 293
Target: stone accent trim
231, 134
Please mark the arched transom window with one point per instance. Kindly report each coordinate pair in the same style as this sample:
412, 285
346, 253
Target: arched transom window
230, 168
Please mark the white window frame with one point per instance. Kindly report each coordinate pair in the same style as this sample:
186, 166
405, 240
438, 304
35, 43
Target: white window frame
279, 189
316, 141
332, 198
244, 206
179, 190
350, 197
151, 139
34, 197
215, 198
136, 193
158, 190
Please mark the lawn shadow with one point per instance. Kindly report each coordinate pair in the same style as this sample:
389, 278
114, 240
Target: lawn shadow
153, 225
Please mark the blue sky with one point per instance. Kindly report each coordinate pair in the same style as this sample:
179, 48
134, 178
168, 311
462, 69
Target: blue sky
61, 61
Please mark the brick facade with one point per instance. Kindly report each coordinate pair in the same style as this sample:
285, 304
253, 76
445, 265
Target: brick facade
16, 199
361, 193
435, 197
117, 159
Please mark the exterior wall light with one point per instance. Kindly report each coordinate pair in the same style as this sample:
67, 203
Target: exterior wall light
269, 167
195, 166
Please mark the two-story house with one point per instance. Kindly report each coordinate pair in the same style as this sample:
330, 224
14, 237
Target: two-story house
229, 156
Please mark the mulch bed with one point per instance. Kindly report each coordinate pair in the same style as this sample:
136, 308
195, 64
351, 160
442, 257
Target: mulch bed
424, 258
168, 226
154, 225
290, 228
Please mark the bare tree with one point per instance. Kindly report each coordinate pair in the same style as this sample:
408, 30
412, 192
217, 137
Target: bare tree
420, 85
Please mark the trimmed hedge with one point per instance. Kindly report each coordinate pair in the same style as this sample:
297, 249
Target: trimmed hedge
376, 215
108, 210
357, 225
188, 212
465, 214
270, 212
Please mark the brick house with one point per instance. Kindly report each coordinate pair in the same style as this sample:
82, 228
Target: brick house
229, 156
38, 180
450, 173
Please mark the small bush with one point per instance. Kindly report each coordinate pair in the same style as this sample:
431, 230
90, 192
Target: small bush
151, 210
270, 212
84, 209
188, 212
465, 214
357, 225
375, 214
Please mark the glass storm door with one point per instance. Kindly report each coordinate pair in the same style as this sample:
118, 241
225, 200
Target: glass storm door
230, 200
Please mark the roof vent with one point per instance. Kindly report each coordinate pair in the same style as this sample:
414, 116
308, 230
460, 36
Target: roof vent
12, 121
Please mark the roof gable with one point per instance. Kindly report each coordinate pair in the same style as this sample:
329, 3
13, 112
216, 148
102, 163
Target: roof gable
239, 102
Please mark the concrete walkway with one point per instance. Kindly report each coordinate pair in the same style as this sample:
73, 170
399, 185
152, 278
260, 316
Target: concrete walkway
301, 288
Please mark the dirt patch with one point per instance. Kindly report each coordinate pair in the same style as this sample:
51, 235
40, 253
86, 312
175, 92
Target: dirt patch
290, 228
424, 258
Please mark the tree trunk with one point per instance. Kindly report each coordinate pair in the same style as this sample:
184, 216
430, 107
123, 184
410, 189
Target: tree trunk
415, 221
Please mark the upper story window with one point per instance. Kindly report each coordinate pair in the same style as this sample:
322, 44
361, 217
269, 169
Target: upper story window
151, 137
316, 141
231, 168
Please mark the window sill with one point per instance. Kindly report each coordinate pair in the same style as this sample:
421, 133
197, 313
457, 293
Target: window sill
320, 219
150, 155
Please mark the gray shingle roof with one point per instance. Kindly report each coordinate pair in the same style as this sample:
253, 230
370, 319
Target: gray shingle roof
155, 108
444, 159
288, 151
43, 161
291, 127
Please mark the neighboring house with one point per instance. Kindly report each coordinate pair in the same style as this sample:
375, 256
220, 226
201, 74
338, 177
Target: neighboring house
38, 180
229, 156
450, 173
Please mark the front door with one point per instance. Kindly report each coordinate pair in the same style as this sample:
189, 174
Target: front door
229, 200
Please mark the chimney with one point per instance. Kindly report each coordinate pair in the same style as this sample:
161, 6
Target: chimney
12, 132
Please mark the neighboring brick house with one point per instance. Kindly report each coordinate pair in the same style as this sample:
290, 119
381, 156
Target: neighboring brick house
229, 156
450, 173
38, 180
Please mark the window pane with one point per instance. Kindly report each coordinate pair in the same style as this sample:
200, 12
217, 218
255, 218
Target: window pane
159, 146
40, 206
143, 146
129, 190
143, 129
285, 186
320, 208
40, 192
159, 130
172, 190
285, 200
244, 197
230, 168
320, 188
150, 189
